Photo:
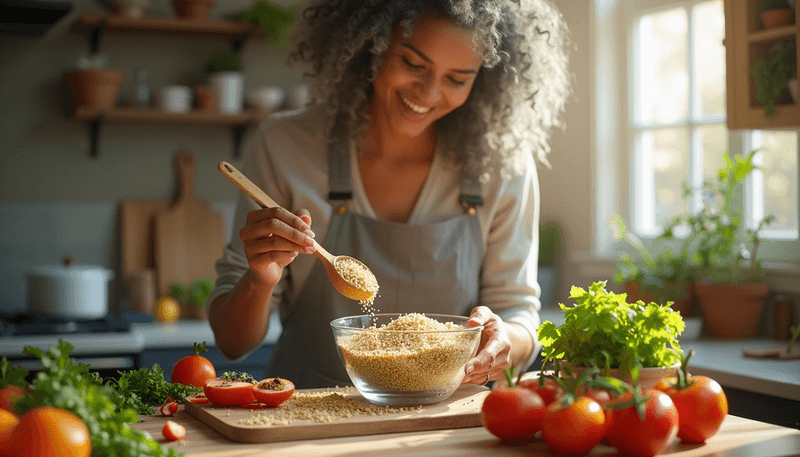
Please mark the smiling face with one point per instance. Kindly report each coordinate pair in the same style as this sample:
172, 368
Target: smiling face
424, 76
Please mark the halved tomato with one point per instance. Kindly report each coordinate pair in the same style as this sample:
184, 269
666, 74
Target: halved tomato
229, 392
273, 391
199, 399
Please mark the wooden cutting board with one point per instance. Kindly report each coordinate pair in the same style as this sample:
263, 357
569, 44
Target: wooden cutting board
136, 223
461, 410
188, 236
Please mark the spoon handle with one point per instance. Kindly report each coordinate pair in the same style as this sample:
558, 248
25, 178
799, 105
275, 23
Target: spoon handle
261, 197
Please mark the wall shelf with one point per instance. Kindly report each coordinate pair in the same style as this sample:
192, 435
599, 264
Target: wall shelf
238, 122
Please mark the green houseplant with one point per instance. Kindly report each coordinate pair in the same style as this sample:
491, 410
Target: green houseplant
666, 277
603, 329
772, 74
775, 13
192, 297
225, 77
273, 20
729, 277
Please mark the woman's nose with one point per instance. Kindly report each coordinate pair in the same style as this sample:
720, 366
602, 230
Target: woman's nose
430, 91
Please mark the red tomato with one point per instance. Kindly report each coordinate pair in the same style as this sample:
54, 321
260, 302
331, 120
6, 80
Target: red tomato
702, 406
226, 392
169, 408
512, 413
193, 370
648, 437
173, 431
199, 399
8, 396
575, 427
548, 391
273, 391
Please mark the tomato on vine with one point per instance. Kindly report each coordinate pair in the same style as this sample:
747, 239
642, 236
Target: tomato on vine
194, 370
512, 413
574, 424
702, 404
642, 424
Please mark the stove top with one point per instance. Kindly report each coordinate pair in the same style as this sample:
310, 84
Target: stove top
30, 324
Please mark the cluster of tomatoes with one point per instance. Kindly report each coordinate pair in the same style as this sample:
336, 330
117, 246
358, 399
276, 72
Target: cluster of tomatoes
229, 389
576, 414
42, 430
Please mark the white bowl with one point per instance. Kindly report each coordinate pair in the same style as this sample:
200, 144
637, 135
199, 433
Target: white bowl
176, 99
267, 98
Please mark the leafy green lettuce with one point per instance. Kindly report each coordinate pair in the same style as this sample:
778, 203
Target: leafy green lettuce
603, 328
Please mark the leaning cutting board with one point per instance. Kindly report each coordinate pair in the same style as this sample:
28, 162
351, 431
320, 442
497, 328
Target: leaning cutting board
188, 236
136, 229
461, 410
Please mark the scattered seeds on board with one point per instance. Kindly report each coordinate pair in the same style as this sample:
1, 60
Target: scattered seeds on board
409, 354
323, 407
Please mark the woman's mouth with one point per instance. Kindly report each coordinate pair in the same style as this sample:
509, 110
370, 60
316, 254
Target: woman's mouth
413, 106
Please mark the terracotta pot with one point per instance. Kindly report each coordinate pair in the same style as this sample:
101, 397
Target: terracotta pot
683, 305
732, 310
205, 97
95, 88
190, 311
193, 9
777, 18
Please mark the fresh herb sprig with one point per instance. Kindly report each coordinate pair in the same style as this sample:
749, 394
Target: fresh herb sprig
67, 385
603, 326
146, 387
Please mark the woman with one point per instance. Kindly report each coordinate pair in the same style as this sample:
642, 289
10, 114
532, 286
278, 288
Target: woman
417, 158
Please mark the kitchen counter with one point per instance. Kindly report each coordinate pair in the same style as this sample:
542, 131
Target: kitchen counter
182, 333
736, 437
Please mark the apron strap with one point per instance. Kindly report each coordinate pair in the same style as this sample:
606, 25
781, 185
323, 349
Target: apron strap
339, 178
471, 192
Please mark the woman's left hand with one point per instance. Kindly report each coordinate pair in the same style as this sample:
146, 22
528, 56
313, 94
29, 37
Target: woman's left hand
492, 358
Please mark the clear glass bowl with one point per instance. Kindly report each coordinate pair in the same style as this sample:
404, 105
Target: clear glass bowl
395, 365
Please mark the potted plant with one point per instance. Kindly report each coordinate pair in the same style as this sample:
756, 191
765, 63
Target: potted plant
193, 9
550, 244
273, 20
773, 73
192, 297
225, 77
93, 85
636, 342
666, 278
775, 13
729, 283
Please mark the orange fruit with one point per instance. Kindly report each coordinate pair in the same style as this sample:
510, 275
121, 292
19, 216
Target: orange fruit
8, 421
47, 431
167, 309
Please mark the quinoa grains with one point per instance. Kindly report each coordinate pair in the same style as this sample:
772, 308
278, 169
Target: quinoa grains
409, 354
357, 275
322, 406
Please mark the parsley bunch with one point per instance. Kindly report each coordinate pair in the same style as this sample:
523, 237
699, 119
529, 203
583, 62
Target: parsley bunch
604, 329
70, 386
143, 388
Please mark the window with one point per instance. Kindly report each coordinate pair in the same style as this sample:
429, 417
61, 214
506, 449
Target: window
672, 122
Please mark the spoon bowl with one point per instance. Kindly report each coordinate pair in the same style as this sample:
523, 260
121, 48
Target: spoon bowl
348, 276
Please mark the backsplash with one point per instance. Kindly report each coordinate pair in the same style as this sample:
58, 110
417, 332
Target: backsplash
34, 235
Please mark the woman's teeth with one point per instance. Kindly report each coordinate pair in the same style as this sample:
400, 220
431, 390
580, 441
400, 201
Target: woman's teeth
415, 108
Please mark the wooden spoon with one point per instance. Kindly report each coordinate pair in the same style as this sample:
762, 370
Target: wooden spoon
365, 292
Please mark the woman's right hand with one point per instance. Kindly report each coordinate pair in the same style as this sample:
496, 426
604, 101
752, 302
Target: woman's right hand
272, 238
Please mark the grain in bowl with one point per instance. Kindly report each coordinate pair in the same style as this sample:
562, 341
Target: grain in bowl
405, 359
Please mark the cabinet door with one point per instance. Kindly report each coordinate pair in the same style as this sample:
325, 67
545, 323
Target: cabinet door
255, 363
746, 40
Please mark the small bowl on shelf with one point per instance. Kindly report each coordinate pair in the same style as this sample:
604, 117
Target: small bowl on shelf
405, 359
267, 98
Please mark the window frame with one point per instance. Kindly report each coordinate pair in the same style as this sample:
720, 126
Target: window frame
614, 159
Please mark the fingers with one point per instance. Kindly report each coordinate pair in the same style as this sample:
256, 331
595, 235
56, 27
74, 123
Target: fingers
277, 222
492, 357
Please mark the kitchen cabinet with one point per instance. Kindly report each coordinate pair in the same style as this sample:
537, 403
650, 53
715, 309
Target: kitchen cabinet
96, 25
746, 40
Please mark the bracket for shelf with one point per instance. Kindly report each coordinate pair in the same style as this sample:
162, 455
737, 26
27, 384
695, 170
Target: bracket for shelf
95, 34
236, 43
94, 134
238, 135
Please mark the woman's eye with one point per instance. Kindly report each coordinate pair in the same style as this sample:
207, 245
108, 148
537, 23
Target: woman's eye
411, 65
457, 82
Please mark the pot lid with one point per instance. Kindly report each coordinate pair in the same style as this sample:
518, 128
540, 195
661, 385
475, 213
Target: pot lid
71, 270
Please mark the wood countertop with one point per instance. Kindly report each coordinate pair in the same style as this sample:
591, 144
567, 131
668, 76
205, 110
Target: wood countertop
736, 437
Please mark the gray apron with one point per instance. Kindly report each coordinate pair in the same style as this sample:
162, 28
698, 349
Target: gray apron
431, 268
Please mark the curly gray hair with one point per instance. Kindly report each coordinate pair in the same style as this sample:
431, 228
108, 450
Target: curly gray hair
517, 97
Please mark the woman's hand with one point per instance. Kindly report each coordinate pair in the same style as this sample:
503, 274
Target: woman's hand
272, 239
492, 358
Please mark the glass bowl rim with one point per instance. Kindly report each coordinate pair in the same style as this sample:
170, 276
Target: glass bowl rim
477, 328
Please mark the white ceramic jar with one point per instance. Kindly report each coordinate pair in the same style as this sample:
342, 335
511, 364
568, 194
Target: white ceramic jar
176, 99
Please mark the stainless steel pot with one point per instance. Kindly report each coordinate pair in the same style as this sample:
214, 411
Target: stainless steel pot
69, 290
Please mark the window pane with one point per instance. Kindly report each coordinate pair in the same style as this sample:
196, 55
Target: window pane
779, 162
709, 58
713, 145
659, 175
661, 74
